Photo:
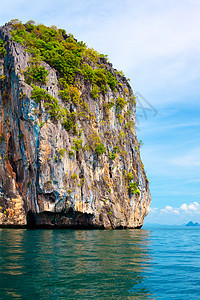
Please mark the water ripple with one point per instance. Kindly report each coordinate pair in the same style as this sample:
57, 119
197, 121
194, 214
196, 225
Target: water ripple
125, 264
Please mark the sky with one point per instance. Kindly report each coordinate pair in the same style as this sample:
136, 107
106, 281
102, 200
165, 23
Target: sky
156, 43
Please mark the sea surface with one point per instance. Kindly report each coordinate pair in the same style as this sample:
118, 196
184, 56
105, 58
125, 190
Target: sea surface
151, 263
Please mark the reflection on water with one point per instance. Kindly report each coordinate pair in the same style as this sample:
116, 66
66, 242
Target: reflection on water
69, 264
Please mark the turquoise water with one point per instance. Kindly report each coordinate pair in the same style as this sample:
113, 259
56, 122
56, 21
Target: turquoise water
152, 263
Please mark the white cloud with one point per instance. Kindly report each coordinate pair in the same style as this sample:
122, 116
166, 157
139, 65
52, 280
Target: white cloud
169, 209
184, 207
192, 207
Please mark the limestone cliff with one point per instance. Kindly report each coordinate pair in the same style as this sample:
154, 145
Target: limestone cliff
69, 155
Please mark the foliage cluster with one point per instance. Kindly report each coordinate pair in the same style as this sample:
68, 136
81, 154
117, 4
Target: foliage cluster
61, 152
54, 109
36, 73
74, 176
50, 102
99, 77
112, 155
2, 49
69, 92
129, 176
120, 103
71, 154
69, 121
78, 144
133, 188
100, 148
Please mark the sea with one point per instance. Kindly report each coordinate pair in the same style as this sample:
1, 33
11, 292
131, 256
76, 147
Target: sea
158, 262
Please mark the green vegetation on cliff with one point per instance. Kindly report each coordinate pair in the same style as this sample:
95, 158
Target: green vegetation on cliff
62, 52
2, 49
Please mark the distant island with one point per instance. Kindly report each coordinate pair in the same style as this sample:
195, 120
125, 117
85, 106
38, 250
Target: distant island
192, 224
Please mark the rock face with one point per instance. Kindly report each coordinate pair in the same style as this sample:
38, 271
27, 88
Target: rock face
50, 176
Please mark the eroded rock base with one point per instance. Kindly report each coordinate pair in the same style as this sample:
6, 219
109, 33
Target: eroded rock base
70, 220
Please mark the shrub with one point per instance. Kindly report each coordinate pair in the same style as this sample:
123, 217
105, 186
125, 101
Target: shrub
129, 125
100, 148
116, 149
112, 156
133, 188
61, 152
50, 102
122, 134
121, 102
39, 94
95, 92
129, 176
126, 91
71, 153
53, 107
87, 71
111, 80
67, 123
70, 93
78, 144
120, 118
91, 54
42, 124
120, 73
36, 73
74, 176
98, 77
86, 147
2, 49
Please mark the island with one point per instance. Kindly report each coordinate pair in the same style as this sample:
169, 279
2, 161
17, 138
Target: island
69, 154
192, 224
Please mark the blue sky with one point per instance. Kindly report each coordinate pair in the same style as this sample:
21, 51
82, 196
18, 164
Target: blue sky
157, 45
